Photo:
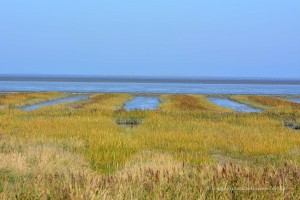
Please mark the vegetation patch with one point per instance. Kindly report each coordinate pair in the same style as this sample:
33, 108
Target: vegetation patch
128, 121
189, 103
107, 101
268, 103
292, 124
17, 100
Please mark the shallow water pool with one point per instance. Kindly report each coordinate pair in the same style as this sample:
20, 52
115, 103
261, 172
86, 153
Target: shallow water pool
142, 102
239, 107
296, 100
61, 100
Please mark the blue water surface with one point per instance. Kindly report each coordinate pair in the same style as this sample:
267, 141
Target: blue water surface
142, 102
239, 107
61, 100
133, 87
296, 100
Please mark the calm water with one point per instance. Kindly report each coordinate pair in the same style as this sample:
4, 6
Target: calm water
142, 102
233, 105
138, 87
295, 100
48, 103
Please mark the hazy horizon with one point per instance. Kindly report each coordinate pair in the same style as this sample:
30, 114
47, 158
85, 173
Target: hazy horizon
141, 76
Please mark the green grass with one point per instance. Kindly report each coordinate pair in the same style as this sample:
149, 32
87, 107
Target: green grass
186, 149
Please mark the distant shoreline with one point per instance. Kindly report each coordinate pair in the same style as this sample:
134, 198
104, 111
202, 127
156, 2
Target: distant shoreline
144, 79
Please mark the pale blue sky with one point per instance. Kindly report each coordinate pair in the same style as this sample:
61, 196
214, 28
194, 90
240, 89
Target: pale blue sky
235, 38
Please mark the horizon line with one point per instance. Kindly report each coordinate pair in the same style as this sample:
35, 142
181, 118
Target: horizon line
38, 75
149, 79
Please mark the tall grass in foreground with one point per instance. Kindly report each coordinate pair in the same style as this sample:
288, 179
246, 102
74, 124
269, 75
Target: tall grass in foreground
43, 171
182, 150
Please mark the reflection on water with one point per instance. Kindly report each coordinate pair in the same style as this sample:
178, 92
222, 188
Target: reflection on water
239, 107
48, 103
142, 102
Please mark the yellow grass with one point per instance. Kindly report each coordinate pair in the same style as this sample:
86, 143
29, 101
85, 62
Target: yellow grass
26, 98
186, 149
190, 103
268, 103
94, 102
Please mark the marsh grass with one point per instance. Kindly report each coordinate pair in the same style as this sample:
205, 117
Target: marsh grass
268, 103
179, 151
49, 172
189, 103
17, 100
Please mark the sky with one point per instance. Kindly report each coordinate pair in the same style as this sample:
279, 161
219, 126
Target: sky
232, 38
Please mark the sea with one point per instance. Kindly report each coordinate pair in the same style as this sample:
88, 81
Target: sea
150, 84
